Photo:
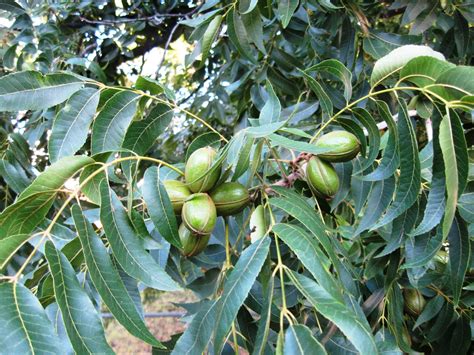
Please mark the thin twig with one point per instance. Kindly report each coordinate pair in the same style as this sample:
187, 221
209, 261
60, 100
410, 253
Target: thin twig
170, 36
128, 20
167, 44
192, 93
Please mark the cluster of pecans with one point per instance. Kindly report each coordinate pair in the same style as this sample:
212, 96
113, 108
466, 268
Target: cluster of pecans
200, 199
340, 146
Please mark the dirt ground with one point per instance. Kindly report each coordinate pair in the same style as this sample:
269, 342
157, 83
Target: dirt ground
124, 343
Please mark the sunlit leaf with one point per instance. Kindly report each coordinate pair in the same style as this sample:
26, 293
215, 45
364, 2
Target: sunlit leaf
9, 246
83, 324
24, 325
309, 253
159, 206
397, 58
14, 176
30, 90
299, 340
71, 125
35, 201
127, 247
112, 122
390, 159
210, 36
409, 182
424, 71
459, 253
264, 321
107, 280
337, 69
237, 287
355, 328
271, 111
435, 204
286, 8
238, 35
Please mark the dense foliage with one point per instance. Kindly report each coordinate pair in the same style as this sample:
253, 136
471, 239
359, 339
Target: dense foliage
88, 144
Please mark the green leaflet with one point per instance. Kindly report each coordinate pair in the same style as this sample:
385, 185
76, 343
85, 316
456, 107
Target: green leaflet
245, 6
14, 176
466, 207
431, 309
339, 70
360, 188
71, 125
73, 252
159, 206
296, 206
238, 35
300, 341
285, 142
377, 43
400, 226
454, 83
395, 316
344, 172
390, 159
154, 87
446, 142
9, 246
237, 287
271, 111
83, 324
309, 253
460, 147
56, 175
199, 20
24, 325
264, 321
243, 158
91, 188
203, 140
324, 100
209, 37
355, 328
409, 182
141, 135
112, 122
424, 71
11, 6
35, 201
127, 246
107, 280
253, 23
434, 209
31, 90
199, 331
397, 58
286, 9
423, 249
459, 253
368, 121
264, 130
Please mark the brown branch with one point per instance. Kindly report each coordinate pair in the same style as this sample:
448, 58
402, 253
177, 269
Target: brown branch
128, 20
88, 48
168, 41
143, 18
167, 44
192, 93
